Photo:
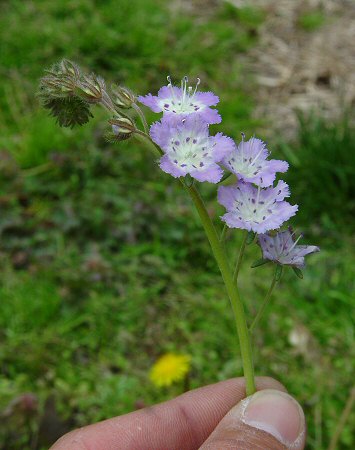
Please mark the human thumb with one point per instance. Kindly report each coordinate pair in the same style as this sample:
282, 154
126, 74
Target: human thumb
267, 420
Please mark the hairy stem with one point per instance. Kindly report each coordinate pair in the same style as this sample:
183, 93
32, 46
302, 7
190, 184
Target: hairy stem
142, 117
264, 304
237, 305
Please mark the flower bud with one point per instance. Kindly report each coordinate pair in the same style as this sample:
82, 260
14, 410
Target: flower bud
123, 97
91, 89
69, 68
57, 86
122, 125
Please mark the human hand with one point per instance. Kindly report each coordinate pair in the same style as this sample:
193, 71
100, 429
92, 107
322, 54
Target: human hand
213, 417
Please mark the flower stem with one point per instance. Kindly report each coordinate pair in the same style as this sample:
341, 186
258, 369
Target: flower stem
142, 117
240, 256
264, 304
237, 306
222, 261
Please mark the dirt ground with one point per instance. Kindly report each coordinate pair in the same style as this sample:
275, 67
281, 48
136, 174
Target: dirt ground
295, 68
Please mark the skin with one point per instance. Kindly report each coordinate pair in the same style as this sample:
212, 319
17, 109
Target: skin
183, 423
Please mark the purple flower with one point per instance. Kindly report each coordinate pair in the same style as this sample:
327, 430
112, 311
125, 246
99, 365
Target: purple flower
256, 209
249, 162
189, 149
183, 101
282, 249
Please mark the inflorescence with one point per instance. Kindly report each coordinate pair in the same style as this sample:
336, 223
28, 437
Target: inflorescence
253, 203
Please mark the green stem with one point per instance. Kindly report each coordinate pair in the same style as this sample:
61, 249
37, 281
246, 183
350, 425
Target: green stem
149, 139
142, 117
240, 256
264, 304
222, 261
237, 305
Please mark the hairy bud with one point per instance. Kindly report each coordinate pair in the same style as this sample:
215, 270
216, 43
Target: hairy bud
91, 88
122, 125
59, 92
122, 128
122, 97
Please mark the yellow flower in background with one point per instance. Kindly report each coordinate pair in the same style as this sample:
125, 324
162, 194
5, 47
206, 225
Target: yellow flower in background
169, 368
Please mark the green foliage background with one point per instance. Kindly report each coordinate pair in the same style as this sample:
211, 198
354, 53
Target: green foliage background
104, 265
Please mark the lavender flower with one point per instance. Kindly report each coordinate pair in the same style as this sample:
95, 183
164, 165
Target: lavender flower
249, 162
183, 101
189, 149
283, 250
256, 209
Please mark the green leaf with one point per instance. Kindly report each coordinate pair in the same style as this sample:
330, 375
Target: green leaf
68, 111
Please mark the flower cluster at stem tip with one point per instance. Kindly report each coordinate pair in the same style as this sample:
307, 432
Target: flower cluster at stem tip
254, 203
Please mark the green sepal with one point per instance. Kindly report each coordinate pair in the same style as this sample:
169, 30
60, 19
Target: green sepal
225, 177
259, 262
298, 272
113, 138
250, 237
278, 272
189, 181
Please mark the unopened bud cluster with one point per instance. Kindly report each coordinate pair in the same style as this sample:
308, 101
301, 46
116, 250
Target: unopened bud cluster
69, 94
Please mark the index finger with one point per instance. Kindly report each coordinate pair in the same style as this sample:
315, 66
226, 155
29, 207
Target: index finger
183, 423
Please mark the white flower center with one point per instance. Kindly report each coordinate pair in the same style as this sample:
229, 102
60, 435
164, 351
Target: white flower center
249, 166
190, 152
184, 102
251, 209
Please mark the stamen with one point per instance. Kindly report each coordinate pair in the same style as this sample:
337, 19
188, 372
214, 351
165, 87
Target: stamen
295, 243
184, 82
243, 137
292, 234
257, 156
170, 86
197, 84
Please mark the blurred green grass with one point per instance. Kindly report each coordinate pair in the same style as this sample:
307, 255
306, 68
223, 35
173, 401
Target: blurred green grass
104, 264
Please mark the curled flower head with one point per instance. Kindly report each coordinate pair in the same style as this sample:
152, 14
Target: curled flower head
283, 249
189, 149
249, 162
256, 209
170, 368
183, 101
